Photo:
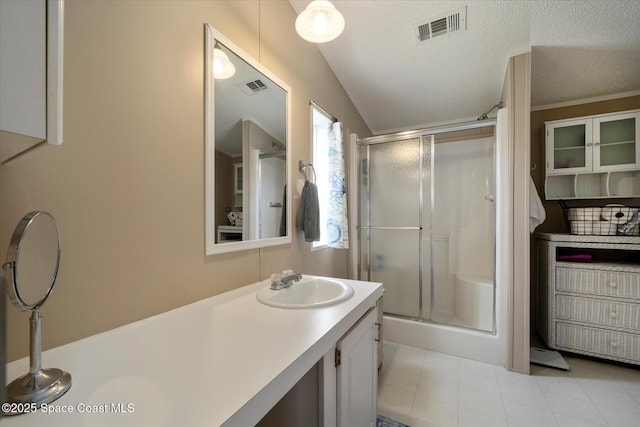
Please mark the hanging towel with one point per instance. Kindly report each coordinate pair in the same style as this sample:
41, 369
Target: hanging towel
537, 214
309, 212
283, 214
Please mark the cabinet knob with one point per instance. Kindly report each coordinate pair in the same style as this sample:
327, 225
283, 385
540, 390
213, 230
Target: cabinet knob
613, 315
589, 144
613, 344
597, 144
612, 284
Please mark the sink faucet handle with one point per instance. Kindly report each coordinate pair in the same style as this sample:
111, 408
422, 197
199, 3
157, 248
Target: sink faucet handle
276, 278
287, 272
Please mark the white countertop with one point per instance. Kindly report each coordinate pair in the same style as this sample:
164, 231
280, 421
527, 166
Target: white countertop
564, 237
225, 360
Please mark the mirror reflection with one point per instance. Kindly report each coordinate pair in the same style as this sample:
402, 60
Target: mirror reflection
249, 143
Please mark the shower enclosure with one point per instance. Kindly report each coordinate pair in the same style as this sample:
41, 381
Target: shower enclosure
427, 223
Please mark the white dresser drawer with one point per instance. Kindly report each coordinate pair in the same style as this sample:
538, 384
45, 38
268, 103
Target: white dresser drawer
598, 311
611, 344
598, 282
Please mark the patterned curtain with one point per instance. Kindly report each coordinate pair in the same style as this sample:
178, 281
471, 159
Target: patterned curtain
337, 227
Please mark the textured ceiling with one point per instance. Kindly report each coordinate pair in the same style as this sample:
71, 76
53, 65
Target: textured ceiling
580, 49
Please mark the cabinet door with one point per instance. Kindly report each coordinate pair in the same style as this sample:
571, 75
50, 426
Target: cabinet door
237, 178
23, 79
569, 147
31, 48
615, 142
357, 379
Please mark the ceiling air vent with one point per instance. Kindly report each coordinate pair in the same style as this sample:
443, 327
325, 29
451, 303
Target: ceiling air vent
451, 23
253, 87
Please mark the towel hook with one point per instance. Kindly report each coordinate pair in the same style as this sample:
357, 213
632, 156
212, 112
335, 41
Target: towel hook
303, 170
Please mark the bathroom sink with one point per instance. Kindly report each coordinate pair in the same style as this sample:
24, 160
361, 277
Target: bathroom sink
310, 292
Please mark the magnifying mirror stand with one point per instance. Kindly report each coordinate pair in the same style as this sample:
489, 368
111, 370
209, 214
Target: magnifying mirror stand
31, 269
39, 385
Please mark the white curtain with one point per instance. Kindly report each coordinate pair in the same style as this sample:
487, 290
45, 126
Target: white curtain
337, 226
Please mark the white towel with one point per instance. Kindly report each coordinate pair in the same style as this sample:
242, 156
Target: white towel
537, 214
617, 214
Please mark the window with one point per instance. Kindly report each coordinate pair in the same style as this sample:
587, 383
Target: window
328, 171
320, 124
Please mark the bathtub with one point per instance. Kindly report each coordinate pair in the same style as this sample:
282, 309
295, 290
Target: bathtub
473, 301
468, 342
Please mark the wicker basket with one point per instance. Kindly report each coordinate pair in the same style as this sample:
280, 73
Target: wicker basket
601, 220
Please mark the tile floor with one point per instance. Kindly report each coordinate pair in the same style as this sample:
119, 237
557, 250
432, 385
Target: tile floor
425, 388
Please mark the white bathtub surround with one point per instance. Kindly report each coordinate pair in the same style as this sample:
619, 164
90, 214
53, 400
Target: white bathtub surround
225, 360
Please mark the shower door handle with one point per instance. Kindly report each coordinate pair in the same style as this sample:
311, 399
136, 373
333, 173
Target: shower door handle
371, 227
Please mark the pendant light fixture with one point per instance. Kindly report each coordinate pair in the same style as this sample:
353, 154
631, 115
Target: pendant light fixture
223, 68
320, 22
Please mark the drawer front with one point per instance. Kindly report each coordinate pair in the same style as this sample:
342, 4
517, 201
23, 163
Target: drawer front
617, 345
598, 282
600, 312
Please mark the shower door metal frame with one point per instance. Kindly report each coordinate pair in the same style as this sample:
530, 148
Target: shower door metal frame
419, 228
420, 134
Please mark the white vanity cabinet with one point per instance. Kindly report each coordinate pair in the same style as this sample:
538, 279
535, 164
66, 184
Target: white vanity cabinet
590, 308
357, 373
349, 374
31, 35
593, 157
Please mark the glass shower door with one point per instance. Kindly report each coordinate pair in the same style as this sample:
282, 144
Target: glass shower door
427, 226
391, 222
463, 230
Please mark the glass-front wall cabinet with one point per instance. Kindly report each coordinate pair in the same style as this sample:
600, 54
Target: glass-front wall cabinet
570, 146
618, 142
593, 157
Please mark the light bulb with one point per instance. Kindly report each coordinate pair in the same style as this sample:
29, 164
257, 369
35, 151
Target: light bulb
320, 22
222, 66
217, 66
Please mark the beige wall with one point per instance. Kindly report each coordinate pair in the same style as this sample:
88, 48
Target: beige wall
127, 185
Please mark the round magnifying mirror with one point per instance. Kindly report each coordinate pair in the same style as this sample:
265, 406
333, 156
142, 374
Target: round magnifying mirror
33, 259
32, 265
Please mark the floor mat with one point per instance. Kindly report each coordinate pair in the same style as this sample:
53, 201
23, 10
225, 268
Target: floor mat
388, 422
546, 357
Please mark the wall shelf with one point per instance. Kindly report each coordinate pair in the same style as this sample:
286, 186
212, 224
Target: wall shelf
596, 185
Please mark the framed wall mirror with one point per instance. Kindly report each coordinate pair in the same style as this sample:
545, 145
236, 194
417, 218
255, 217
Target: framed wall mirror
247, 149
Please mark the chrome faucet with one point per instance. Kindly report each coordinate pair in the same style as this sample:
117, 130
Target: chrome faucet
284, 280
